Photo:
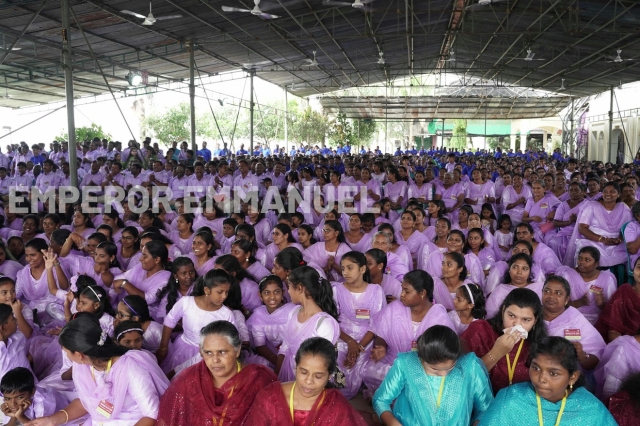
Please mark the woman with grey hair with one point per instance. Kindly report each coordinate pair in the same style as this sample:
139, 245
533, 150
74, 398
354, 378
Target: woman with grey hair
395, 266
219, 387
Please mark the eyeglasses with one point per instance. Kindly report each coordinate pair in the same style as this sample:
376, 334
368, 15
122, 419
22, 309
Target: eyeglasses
326, 231
120, 315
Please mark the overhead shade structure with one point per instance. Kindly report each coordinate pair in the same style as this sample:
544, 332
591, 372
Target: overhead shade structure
442, 107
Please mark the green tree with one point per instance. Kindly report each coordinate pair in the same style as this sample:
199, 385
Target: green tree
172, 125
341, 131
459, 138
363, 131
308, 126
85, 133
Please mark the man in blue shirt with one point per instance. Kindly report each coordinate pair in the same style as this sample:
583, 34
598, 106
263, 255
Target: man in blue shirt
205, 153
292, 153
498, 153
362, 150
38, 158
266, 152
224, 152
241, 151
340, 150
422, 151
377, 151
398, 152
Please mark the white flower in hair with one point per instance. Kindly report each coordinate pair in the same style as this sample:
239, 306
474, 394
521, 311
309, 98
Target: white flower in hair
103, 338
72, 283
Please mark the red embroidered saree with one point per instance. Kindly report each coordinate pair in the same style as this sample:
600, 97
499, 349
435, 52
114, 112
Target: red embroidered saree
271, 408
621, 313
191, 399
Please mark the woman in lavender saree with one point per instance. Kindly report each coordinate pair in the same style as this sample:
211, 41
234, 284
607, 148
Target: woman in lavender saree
398, 326
540, 208
515, 197
565, 219
599, 225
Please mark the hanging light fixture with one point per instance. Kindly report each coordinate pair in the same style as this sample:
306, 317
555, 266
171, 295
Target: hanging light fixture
134, 78
562, 86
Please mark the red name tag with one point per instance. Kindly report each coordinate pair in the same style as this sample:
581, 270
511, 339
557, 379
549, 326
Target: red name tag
363, 314
105, 408
596, 289
414, 346
572, 334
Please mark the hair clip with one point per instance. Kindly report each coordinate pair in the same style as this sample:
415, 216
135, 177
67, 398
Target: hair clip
302, 263
98, 296
103, 338
72, 283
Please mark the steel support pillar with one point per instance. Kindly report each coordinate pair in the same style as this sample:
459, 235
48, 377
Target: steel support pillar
68, 84
192, 97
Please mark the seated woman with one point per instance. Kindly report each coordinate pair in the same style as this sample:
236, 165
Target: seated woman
398, 326
624, 405
437, 372
517, 276
542, 255
454, 274
410, 237
244, 250
554, 396
377, 264
619, 359
540, 208
356, 237
591, 288
135, 308
310, 399
114, 385
456, 241
219, 389
400, 250
564, 220
621, 315
396, 267
282, 237
503, 342
598, 225
328, 253
564, 320
497, 273
478, 245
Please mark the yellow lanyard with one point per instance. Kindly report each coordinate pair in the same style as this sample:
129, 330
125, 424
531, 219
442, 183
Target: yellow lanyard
564, 402
291, 403
511, 370
440, 392
106, 371
224, 412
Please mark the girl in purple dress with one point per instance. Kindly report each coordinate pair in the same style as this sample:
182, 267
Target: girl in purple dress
591, 288
327, 254
395, 189
135, 308
282, 238
114, 385
8, 266
371, 187
503, 237
398, 326
377, 264
619, 359
453, 275
261, 226
50, 223
409, 237
205, 306
358, 301
180, 284
315, 317
267, 322
112, 219
248, 286
203, 252
518, 276
244, 231
477, 245
468, 307
451, 193
102, 267
129, 335
147, 277
632, 235
94, 300
305, 236
435, 210
243, 250
419, 189
497, 273
456, 242
400, 250
183, 235
543, 256
129, 248
564, 220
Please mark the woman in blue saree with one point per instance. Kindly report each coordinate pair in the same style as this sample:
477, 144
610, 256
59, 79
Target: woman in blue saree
554, 396
435, 385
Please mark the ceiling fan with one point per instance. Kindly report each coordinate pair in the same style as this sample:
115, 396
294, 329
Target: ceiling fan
357, 4
451, 57
618, 58
150, 19
255, 11
381, 60
530, 56
312, 62
481, 3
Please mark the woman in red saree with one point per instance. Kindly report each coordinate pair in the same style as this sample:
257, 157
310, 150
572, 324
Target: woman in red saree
621, 314
503, 342
624, 405
307, 401
218, 390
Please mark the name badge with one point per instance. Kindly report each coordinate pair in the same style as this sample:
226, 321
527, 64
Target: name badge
105, 408
544, 206
363, 314
595, 289
414, 346
572, 334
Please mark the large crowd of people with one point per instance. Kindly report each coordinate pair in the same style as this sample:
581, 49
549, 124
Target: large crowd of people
445, 288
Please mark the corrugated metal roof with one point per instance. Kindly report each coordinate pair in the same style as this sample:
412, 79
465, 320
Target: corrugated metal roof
571, 40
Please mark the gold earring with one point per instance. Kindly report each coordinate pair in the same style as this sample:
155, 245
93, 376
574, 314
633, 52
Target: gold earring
571, 386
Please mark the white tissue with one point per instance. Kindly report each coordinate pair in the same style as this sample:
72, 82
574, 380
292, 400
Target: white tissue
519, 329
